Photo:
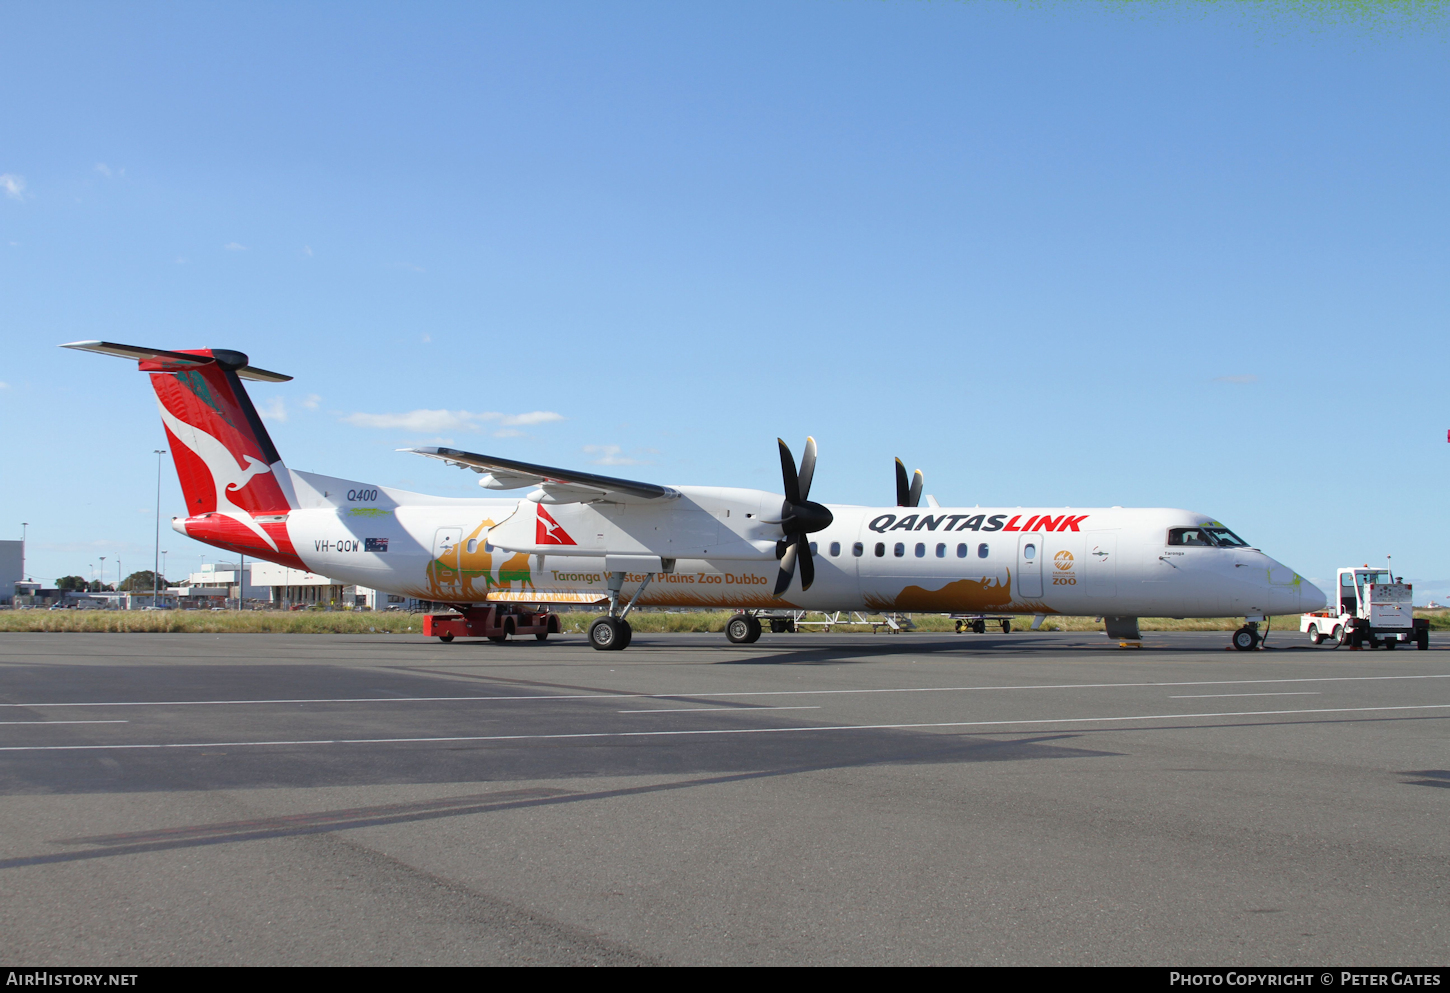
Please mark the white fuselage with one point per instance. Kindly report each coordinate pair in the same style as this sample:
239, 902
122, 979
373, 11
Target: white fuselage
718, 550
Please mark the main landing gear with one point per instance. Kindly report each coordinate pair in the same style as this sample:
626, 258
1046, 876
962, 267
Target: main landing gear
612, 632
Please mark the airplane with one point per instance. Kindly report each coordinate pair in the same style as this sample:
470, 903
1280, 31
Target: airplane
585, 539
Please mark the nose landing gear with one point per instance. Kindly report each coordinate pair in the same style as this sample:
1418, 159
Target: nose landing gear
1246, 638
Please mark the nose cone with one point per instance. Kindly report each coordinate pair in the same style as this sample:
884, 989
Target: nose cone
1311, 597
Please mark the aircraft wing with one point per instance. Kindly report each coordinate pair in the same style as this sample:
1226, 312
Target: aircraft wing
559, 485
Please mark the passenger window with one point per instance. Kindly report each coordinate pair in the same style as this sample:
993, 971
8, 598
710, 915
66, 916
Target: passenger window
962, 550
857, 549
472, 545
900, 549
835, 549
982, 550
813, 549
1029, 553
921, 549
941, 550
880, 549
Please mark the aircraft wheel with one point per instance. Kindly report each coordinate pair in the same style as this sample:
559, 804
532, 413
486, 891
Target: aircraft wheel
1246, 639
445, 638
742, 629
605, 635
627, 635
979, 627
1316, 636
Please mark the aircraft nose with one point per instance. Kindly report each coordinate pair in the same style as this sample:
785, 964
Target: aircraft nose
1311, 597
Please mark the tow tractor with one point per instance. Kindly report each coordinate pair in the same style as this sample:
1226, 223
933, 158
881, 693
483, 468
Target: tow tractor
494, 621
1374, 609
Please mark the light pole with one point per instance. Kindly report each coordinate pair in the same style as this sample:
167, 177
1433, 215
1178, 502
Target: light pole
156, 564
24, 530
102, 581
163, 561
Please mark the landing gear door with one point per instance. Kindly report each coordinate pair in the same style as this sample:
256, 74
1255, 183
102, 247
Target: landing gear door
1029, 565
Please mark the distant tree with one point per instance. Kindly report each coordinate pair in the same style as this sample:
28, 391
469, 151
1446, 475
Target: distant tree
68, 583
140, 582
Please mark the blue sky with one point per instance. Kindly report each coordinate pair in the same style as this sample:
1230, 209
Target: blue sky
1155, 255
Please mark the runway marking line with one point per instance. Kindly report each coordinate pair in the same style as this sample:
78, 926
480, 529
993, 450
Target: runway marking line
711, 710
1220, 696
47, 723
738, 693
665, 734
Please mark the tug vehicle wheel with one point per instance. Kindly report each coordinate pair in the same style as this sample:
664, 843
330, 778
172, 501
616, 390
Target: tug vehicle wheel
1316, 636
605, 635
1246, 639
1006, 627
542, 636
979, 627
1390, 643
445, 638
1423, 641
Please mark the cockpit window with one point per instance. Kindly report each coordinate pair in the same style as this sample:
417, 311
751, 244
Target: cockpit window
1206, 537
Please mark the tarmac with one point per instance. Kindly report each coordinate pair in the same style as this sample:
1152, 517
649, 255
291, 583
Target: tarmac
812, 799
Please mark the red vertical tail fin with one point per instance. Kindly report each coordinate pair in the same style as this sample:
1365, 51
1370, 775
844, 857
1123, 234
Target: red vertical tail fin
237, 490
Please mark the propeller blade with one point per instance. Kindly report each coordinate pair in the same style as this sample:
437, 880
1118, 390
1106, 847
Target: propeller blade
917, 480
808, 565
788, 474
787, 566
903, 489
808, 468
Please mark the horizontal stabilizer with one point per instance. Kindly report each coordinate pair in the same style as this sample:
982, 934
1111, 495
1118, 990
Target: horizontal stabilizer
181, 360
565, 485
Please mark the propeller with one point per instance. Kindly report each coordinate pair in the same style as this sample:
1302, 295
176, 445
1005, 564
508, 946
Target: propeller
798, 518
908, 496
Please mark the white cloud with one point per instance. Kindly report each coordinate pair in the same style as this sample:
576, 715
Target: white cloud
307, 250
4, 386
449, 420
13, 185
233, 246
533, 417
1243, 378
312, 402
273, 409
427, 338
179, 260
411, 267
508, 433
610, 455
103, 169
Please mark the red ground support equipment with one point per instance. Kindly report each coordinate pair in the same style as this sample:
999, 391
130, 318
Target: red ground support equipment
496, 622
